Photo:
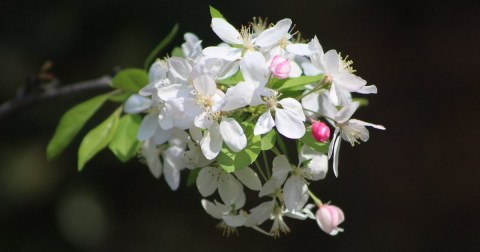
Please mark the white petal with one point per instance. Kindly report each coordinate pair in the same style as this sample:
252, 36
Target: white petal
372, 89
336, 153
150, 152
226, 53
211, 143
294, 192
234, 220
264, 124
232, 134
272, 36
238, 96
300, 49
179, 68
196, 134
314, 45
376, 126
148, 127
229, 188
207, 180
293, 106
136, 104
226, 31
295, 70
205, 85
260, 213
310, 70
157, 71
332, 143
161, 136
346, 112
332, 95
332, 62
173, 164
348, 81
318, 167
270, 186
203, 120
289, 124
212, 209
254, 68
249, 178
281, 168
173, 91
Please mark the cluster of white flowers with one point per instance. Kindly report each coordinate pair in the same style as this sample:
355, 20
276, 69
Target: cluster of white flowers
213, 101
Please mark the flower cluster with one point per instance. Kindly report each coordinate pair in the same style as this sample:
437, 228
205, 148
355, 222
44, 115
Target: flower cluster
226, 113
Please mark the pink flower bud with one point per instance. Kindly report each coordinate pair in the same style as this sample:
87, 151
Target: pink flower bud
280, 67
320, 131
329, 217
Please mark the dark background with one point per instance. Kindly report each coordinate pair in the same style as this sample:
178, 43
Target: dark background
413, 187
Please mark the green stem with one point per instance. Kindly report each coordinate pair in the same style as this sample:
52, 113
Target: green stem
315, 199
259, 168
265, 161
281, 144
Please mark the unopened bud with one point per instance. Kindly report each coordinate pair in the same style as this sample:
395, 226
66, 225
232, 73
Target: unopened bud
329, 217
320, 131
280, 67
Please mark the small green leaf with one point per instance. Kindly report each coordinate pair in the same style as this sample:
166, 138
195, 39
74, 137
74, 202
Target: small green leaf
314, 144
124, 143
215, 13
97, 139
120, 97
299, 82
177, 52
192, 177
231, 161
156, 51
268, 140
232, 80
131, 79
71, 123
362, 101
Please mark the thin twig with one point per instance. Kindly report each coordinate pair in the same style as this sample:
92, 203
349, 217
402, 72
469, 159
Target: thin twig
18, 103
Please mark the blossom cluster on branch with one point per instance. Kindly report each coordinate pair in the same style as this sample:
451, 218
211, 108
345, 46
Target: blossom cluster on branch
230, 113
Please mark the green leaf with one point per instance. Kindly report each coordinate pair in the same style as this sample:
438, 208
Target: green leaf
268, 140
71, 123
215, 13
231, 161
124, 143
299, 82
177, 52
232, 80
156, 51
362, 101
97, 139
120, 97
192, 177
314, 144
131, 79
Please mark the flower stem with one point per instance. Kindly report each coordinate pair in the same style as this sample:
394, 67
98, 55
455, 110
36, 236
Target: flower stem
259, 168
315, 199
265, 161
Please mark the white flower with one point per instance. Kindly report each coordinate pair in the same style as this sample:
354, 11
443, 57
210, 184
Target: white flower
295, 190
230, 214
339, 72
244, 40
192, 48
351, 130
288, 119
229, 188
172, 157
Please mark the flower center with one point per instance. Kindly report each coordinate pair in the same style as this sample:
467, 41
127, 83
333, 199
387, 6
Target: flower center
246, 36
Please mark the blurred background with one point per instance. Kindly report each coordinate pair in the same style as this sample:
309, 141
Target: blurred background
414, 187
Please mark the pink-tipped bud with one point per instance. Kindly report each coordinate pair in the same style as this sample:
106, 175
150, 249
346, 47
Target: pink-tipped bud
320, 131
280, 67
329, 217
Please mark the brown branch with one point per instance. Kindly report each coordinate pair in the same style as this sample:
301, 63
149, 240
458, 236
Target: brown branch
18, 103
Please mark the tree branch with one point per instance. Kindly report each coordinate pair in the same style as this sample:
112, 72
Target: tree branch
19, 103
